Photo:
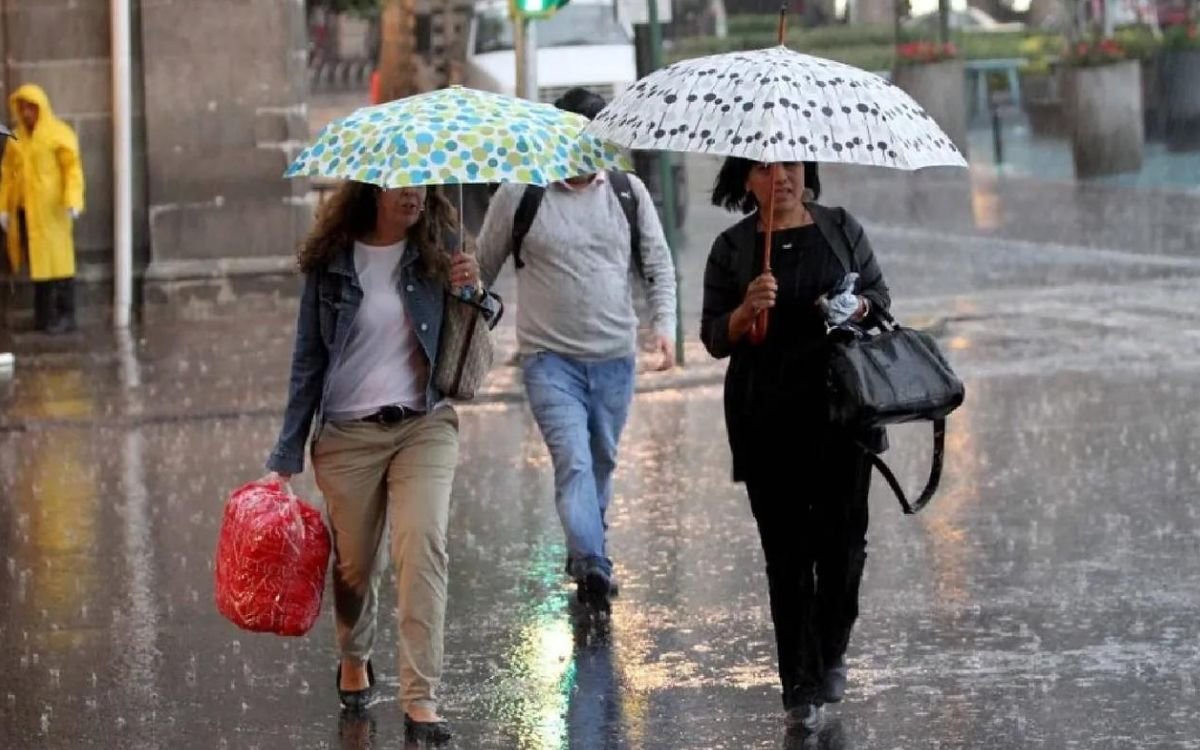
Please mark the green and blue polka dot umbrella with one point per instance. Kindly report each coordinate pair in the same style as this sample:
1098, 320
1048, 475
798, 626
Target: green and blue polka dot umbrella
456, 136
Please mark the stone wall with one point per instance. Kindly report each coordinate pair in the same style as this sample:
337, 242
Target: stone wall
64, 47
225, 90
219, 110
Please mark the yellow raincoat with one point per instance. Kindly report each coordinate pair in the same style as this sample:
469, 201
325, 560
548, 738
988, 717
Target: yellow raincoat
42, 175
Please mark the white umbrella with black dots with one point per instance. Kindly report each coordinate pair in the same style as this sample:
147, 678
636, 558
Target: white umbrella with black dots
776, 105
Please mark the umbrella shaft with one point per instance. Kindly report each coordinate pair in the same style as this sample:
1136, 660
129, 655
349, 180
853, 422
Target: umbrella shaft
758, 333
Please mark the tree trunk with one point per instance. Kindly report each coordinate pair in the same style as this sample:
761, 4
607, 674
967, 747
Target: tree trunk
944, 21
1044, 11
398, 50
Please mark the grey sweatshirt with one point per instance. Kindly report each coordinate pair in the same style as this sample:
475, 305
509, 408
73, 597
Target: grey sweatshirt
575, 293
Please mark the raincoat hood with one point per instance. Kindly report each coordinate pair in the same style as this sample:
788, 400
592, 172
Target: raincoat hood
34, 95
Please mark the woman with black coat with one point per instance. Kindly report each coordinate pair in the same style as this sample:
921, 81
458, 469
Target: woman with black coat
807, 481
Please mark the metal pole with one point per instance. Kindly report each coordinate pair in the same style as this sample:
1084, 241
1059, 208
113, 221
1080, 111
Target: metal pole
997, 138
667, 186
122, 93
531, 55
519, 54
525, 47
944, 21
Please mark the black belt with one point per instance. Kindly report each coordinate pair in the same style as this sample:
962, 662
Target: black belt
389, 415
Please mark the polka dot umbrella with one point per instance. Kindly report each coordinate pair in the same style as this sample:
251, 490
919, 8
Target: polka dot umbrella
455, 136
772, 106
776, 105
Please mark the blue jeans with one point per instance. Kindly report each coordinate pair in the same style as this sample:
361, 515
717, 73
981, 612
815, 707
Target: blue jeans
581, 408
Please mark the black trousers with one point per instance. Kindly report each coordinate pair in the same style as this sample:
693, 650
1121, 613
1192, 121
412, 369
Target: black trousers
812, 516
54, 305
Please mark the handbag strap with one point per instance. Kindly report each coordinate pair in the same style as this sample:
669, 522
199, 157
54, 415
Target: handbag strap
935, 472
466, 351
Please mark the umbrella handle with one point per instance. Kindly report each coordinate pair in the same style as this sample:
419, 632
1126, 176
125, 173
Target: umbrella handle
783, 11
758, 331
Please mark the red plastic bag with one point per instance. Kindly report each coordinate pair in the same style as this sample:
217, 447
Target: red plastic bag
271, 560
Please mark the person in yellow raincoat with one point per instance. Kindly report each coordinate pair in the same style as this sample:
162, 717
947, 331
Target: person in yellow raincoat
41, 195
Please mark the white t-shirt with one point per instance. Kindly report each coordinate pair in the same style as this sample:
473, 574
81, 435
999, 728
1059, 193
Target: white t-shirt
383, 363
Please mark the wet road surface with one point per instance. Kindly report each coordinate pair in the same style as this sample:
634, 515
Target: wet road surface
1049, 598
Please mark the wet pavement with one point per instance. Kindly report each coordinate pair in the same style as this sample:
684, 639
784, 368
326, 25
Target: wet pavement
1049, 598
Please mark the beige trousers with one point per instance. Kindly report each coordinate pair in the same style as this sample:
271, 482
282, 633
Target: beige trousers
376, 476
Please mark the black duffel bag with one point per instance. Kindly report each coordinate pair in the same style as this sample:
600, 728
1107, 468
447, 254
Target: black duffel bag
894, 376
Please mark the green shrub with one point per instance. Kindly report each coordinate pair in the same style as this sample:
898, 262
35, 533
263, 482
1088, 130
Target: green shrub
832, 37
1182, 36
1138, 41
870, 46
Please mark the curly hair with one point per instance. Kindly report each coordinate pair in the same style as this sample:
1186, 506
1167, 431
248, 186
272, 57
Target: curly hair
730, 191
351, 213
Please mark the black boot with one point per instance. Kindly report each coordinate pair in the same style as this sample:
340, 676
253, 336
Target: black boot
66, 303
62, 307
833, 686
805, 719
43, 304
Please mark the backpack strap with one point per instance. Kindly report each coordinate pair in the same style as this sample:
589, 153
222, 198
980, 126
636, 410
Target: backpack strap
935, 472
623, 187
527, 210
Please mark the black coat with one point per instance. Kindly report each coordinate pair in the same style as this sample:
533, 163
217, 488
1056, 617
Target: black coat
735, 261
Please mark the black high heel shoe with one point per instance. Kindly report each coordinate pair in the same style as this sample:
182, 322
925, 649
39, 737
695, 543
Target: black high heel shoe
357, 700
435, 732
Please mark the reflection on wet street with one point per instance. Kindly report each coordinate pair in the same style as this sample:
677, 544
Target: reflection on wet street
1047, 599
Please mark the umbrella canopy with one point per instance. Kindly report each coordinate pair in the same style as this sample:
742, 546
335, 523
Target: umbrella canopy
455, 136
776, 105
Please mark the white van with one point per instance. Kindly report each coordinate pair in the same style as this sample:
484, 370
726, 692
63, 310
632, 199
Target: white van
583, 44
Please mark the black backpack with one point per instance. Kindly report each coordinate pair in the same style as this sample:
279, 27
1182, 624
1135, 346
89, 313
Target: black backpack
621, 185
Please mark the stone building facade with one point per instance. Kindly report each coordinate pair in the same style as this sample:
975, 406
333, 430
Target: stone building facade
220, 106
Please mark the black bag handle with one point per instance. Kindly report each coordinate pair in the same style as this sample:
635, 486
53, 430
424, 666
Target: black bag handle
935, 472
491, 316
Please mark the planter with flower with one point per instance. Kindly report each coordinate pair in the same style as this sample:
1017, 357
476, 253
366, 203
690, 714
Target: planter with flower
932, 74
1041, 97
1179, 81
1103, 97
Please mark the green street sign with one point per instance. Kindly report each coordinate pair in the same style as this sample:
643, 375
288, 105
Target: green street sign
534, 9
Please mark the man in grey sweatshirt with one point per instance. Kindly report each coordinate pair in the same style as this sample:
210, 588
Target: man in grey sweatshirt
577, 332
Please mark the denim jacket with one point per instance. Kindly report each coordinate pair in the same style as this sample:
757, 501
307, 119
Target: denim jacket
328, 305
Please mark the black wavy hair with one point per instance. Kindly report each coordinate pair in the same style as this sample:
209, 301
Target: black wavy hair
581, 101
729, 191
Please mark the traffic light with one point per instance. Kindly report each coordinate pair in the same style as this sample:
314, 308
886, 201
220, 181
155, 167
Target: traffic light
534, 9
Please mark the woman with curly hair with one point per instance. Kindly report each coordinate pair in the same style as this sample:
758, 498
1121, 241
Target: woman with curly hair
376, 269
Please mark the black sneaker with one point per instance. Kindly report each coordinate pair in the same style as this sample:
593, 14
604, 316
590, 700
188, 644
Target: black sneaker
357, 700
432, 732
833, 687
595, 590
614, 587
806, 718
